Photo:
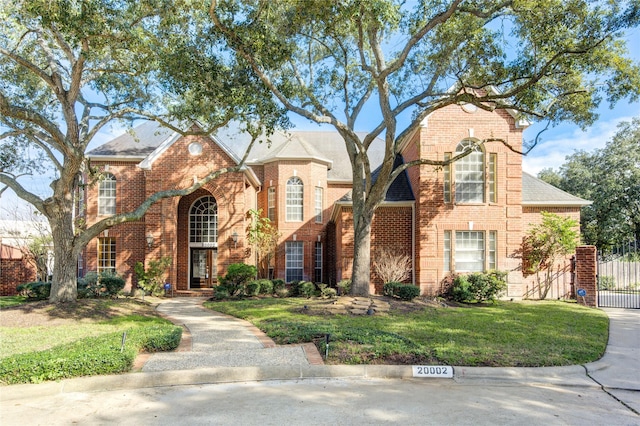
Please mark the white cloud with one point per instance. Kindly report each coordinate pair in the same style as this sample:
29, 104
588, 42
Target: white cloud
554, 149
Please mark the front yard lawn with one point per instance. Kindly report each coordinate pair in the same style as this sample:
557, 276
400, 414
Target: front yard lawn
41, 342
506, 334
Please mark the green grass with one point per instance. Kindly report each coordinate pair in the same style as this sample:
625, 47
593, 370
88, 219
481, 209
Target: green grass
35, 354
503, 334
8, 301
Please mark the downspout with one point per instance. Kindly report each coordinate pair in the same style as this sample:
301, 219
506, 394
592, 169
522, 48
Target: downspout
413, 243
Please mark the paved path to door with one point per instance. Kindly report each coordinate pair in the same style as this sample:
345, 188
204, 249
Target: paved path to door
218, 340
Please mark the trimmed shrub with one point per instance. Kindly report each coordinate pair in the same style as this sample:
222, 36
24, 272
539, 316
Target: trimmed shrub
37, 290
88, 285
238, 274
306, 289
221, 292
328, 293
282, 292
278, 284
407, 291
477, 287
266, 286
111, 283
389, 289
344, 286
253, 288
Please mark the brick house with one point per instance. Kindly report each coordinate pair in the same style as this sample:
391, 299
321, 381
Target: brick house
470, 216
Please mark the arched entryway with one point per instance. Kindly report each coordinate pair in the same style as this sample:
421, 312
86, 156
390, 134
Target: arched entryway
203, 242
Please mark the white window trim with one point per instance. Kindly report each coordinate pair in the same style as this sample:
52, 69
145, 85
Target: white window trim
107, 203
295, 262
294, 207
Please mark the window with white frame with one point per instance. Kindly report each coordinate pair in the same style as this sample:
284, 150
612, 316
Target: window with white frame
294, 260
318, 204
107, 195
470, 251
203, 221
294, 200
106, 254
317, 274
271, 203
469, 174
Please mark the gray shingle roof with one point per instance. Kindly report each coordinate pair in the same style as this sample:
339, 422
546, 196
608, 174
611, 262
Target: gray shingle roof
139, 142
536, 192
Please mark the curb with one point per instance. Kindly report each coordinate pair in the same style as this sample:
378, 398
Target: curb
556, 376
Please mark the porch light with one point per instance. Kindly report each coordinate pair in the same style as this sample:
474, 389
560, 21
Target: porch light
149, 240
234, 237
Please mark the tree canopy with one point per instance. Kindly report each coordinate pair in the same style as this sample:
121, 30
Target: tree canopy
395, 62
610, 178
71, 68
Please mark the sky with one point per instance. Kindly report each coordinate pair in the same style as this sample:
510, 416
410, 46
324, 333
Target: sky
557, 142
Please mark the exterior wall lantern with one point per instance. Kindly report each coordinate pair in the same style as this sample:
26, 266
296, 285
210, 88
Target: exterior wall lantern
149, 240
234, 237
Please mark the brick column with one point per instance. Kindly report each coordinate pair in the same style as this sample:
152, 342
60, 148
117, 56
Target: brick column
586, 270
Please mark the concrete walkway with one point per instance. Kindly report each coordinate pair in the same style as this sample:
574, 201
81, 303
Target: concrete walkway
218, 340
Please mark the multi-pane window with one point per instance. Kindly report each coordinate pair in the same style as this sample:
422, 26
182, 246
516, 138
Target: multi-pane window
294, 200
492, 178
294, 260
317, 273
470, 251
203, 221
271, 203
107, 195
318, 204
106, 254
469, 174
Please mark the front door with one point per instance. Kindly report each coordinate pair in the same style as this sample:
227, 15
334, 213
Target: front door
203, 267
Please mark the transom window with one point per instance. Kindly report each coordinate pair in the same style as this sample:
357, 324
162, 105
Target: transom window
203, 221
107, 195
294, 260
469, 174
295, 196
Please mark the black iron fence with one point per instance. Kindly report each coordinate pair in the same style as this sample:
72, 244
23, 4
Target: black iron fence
619, 276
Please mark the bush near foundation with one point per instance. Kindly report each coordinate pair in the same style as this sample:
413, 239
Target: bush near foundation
401, 290
37, 290
475, 287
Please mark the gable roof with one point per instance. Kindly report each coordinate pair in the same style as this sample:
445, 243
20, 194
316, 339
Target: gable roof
538, 193
134, 144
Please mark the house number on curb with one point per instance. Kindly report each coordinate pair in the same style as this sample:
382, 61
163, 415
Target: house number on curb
442, 371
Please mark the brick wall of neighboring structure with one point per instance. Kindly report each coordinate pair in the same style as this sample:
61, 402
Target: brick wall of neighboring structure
14, 270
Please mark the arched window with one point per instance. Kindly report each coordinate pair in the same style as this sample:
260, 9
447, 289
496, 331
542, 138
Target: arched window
107, 195
295, 193
469, 178
203, 221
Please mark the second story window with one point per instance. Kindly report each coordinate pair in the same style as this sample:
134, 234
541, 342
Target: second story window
271, 204
294, 202
469, 174
107, 195
318, 204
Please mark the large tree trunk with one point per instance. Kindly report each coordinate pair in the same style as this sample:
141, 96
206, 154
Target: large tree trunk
361, 275
63, 287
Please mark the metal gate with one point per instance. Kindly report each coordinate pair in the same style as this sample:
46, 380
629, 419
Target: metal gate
619, 277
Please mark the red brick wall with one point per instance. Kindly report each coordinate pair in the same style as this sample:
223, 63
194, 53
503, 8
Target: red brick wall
14, 272
586, 273
391, 228
442, 132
